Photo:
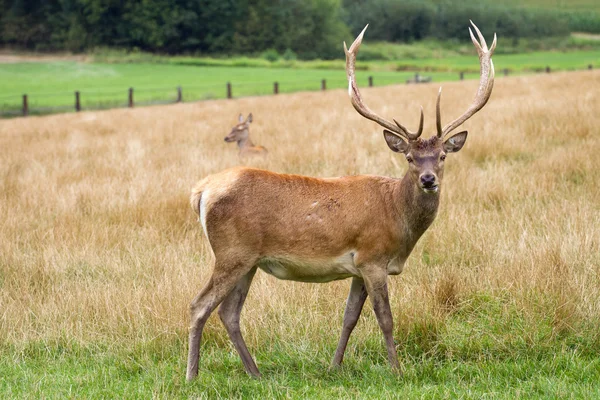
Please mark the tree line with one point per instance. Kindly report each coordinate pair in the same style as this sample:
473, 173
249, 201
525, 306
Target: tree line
299, 28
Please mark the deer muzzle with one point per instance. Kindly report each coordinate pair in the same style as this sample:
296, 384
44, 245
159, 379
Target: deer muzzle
429, 182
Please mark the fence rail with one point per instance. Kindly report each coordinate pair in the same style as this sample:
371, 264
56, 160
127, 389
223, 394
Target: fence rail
26, 108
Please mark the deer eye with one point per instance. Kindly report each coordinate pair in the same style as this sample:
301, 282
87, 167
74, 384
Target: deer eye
442, 157
409, 159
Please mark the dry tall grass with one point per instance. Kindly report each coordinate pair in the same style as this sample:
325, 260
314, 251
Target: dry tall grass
98, 243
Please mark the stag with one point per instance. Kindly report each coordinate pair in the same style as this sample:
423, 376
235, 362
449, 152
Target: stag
319, 230
240, 133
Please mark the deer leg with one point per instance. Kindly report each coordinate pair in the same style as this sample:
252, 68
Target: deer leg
223, 280
354, 305
229, 312
376, 283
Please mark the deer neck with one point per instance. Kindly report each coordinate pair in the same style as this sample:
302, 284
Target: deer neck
243, 143
417, 209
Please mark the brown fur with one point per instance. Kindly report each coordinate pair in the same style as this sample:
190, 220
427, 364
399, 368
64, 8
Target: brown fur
312, 230
318, 230
240, 134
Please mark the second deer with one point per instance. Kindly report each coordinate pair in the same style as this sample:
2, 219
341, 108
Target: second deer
240, 133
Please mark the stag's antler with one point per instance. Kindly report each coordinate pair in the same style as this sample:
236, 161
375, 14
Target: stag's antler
358, 103
486, 84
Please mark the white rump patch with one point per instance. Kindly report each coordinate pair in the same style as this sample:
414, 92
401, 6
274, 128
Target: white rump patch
203, 201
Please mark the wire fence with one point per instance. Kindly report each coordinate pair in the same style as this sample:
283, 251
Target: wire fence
101, 99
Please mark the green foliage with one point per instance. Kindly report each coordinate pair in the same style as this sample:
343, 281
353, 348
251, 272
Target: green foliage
309, 28
270, 55
447, 20
312, 28
391, 20
580, 21
289, 55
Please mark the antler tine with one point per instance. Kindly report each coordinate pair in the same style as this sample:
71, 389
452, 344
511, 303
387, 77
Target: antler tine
479, 35
357, 101
486, 83
438, 115
411, 135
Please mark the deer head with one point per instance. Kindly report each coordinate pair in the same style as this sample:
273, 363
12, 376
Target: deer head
240, 132
426, 157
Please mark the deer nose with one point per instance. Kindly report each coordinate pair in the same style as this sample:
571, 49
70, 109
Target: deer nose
428, 180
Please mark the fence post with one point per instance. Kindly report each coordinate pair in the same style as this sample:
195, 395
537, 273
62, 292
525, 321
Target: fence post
462, 76
179, 95
548, 70
131, 97
505, 71
77, 102
229, 90
370, 81
590, 67
25, 106
323, 84
275, 87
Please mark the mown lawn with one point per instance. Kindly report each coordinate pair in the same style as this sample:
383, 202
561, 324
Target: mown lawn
52, 84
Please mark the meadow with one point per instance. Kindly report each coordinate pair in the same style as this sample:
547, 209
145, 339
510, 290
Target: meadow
100, 253
563, 5
53, 84
50, 86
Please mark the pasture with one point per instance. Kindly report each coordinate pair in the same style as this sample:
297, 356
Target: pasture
100, 253
50, 86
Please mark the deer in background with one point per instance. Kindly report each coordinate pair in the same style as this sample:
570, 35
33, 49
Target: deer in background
241, 134
320, 230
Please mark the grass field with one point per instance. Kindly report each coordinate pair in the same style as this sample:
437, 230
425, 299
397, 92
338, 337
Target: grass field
100, 253
562, 5
53, 84
50, 86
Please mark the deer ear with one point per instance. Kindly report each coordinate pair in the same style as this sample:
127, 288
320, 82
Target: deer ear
241, 118
249, 119
456, 142
395, 142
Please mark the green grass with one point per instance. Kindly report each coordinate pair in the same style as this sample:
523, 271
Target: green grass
53, 84
50, 86
146, 373
531, 62
563, 5
552, 5
486, 349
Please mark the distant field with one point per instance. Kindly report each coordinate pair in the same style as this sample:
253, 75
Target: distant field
53, 84
100, 253
50, 85
559, 5
563, 5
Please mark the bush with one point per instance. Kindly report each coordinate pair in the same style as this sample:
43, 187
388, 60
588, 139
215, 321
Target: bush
270, 55
584, 22
289, 55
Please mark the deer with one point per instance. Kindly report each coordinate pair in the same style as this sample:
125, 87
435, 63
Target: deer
311, 229
240, 133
